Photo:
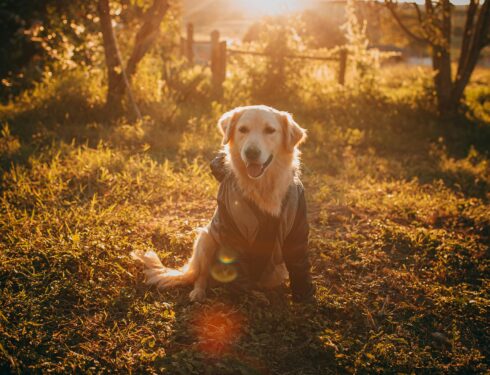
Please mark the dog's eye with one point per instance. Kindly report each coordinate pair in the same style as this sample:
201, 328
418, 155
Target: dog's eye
269, 130
243, 129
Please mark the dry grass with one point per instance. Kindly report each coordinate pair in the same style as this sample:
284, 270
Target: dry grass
399, 210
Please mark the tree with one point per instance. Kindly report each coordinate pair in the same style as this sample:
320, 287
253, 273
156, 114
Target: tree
119, 78
112, 57
434, 29
41, 36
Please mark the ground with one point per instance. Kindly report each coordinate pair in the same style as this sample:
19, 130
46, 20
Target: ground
400, 231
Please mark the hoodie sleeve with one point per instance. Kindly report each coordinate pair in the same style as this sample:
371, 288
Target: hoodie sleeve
295, 252
218, 167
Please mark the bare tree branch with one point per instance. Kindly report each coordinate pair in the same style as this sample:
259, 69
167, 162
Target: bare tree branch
147, 33
476, 44
485, 14
391, 7
446, 23
481, 26
467, 34
419, 13
429, 7
434, 25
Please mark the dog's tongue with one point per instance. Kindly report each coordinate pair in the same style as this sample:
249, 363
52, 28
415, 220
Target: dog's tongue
254, 170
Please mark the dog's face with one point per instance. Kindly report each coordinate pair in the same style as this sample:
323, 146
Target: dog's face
260, 135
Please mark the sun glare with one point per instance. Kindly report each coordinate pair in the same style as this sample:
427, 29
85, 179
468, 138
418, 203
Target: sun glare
271, 7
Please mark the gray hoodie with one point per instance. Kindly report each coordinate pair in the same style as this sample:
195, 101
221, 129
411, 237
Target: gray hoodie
257, 243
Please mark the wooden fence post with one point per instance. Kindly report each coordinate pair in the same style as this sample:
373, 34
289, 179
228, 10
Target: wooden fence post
222, 59
183, 47
342, 65
190, 43
218, 63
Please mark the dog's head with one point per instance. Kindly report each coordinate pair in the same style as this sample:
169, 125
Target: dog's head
260, 135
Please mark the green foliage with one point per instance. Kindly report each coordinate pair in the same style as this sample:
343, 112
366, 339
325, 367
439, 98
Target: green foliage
51, 36
274, 78
478, 99
365, 61
9, 144
43, 37
317, 29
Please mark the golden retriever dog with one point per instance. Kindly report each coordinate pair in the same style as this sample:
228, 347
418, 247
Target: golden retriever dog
259, 233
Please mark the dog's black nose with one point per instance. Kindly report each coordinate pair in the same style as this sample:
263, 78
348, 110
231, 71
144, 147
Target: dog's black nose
252, 153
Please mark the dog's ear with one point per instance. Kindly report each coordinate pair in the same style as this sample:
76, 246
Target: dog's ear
227, 122
293, 133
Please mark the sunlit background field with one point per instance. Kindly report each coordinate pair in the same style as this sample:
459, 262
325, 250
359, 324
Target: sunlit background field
398, 194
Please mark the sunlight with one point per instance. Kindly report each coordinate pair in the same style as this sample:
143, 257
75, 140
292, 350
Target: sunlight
271, 7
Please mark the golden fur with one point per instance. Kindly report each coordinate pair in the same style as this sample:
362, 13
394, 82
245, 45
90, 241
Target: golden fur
277, 136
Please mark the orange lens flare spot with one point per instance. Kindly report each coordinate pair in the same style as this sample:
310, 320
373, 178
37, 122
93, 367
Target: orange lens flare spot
217, 328
224, 273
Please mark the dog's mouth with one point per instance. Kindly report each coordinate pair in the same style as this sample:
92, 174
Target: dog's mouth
256, 170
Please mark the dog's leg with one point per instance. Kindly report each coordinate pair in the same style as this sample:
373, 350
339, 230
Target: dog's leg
204, 249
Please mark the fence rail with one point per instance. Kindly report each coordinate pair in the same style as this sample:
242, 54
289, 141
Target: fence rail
265, 54
215, 52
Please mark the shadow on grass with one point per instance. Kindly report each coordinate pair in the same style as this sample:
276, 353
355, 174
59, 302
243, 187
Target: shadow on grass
247, 332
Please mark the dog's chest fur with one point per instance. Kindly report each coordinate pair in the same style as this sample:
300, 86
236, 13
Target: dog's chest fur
269, 191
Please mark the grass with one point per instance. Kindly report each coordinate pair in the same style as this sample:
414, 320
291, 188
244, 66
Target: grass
400, 231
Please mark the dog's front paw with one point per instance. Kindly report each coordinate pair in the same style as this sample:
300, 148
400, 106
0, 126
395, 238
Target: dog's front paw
197, 295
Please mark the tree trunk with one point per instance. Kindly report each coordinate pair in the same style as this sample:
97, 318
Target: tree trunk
115, 90
436, 25
441, 63
475, 38
464, 77
147, 34
118, 78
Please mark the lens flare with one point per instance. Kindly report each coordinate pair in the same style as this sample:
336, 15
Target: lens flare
217, 328
224, 273
227, 255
